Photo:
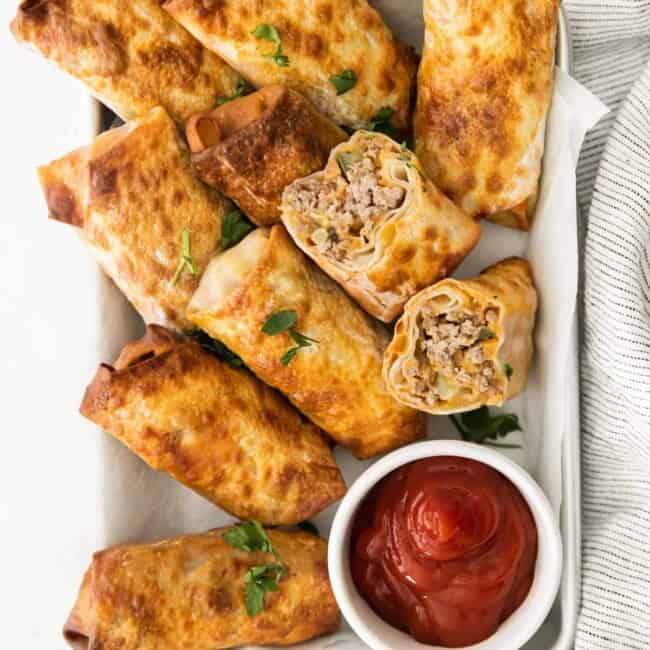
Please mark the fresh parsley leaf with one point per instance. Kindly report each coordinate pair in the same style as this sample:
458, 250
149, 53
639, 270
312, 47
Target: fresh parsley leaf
243, 88
280, 322
289, 355
270, 33
308, 527
249, 536
215, 347
186, 259
381, 121
344, 81
480, 427
403, 146
508, 370
346, 159
485, 334
234, 227
300, 339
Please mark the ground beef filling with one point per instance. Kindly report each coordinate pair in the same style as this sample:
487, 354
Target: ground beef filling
449, 355
346, 209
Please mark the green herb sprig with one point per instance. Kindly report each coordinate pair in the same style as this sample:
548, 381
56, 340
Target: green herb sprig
215, 347
186, 260
284, 321
346, 159
270, 33
243, 88
261, 578
344, 81
483, 428
234, 227
381, 121
508, 369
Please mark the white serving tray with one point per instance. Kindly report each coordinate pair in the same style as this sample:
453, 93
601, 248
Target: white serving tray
139, 504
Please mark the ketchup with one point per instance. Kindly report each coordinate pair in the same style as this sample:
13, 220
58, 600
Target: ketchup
444, 548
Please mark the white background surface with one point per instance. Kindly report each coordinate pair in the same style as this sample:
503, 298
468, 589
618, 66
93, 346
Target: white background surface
45, 329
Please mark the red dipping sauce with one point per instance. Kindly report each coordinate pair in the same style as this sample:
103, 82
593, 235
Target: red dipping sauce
444, 548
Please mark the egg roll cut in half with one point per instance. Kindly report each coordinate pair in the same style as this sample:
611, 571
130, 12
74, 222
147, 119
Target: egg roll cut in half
130, 53
376, 224
139, 208
252, 148
463, 344
341, 55
484, 88
188, 592
336, 379
215, 428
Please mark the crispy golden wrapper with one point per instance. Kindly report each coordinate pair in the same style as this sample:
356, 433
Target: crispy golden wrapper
373, 222
130, 53
252, 148
132, 193
320, 40
336, 382
484, 89
463, 344
188, 592
215, 428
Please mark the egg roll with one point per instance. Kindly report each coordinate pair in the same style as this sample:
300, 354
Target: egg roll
139, 207
130, 53
188, 592
484, 89
215, 428
373, 222
304, 44
463, 344
336, 381
252, 148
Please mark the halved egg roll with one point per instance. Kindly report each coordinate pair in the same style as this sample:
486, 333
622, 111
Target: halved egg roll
463, 344
130, 53
373, 222
215, 428
340, 55
484, 89
252, 148
336, 380
189, 592
149, 222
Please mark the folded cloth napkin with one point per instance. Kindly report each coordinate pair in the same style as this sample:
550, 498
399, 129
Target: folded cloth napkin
611, 46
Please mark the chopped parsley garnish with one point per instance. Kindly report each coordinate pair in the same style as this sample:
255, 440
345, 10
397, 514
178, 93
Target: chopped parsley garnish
234, 227
270, 33
186, 261
381, 121
284, 321
481, 427
259, 579
215, 347
243, 88
309, 527
346, 159
508, 370
485, 334
344, 81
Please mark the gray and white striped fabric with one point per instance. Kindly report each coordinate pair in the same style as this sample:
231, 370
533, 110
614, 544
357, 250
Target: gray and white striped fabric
611, 46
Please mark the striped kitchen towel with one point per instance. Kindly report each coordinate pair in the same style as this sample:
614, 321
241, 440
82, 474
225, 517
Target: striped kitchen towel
611, 48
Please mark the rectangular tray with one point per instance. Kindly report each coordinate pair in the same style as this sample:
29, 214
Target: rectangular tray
178, 510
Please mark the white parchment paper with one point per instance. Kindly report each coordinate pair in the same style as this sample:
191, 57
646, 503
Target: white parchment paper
139, 504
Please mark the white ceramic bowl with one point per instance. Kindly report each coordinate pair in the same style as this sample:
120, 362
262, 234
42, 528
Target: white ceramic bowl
520, 625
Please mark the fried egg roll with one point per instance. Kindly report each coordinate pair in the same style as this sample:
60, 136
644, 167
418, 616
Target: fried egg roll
340, 55
130, 53
336, 380
215, 428
373, 222
140, 209
188, 592
463, 344
252, 148
484, 88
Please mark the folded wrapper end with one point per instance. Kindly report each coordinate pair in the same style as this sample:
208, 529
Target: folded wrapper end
76, 630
